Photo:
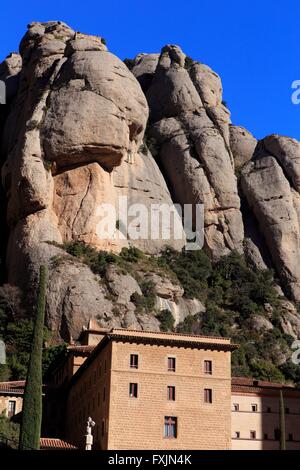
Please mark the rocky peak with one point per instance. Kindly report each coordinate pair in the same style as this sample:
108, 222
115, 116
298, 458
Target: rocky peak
191, 127
81, 129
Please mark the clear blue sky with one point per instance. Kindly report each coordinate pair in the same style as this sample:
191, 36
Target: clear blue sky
253, 45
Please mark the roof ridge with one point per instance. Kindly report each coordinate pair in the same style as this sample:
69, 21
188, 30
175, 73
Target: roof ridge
167, 333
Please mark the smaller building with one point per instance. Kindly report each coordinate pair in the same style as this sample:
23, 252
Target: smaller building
255, 415
11, 397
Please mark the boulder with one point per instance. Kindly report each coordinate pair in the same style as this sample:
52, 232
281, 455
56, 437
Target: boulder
242, 144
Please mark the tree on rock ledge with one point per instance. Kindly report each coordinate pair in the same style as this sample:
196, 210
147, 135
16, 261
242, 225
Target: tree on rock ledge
32, 405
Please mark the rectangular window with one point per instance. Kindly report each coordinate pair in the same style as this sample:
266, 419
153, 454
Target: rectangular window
104, 394
269, 409
103, 427
207, 395
237, 435
133, 390
208, 367
291, 437
266, 437
171, 393
171, 364
277, 434
236, 407
170, 429
252, 434
134, 361
287, 411
254, 407
11, 411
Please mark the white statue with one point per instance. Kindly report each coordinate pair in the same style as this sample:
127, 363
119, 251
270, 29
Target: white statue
89, 436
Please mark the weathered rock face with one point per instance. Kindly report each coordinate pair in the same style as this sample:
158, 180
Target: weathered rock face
144, 68
9, 74
290, 320
75, 295
190, 127
261, 323
81, 130
269, 183
89, 117
69, 127
242, 144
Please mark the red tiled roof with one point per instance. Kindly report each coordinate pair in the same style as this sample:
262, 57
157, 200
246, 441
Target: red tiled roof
15, 387
81, 349
248, 384
164, 333
55, 444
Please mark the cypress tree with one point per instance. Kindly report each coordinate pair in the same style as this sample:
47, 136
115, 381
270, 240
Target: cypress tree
282, 422
30, 431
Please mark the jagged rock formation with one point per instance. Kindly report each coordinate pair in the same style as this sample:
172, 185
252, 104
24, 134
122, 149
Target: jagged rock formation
82, 129
242, 145
191, 128
270, 182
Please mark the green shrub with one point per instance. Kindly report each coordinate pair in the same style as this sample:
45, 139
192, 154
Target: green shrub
16, 331
264, 370
215, 321
96, 260
239, 287
146, 301
51, 355
239, 363
192, 269
291, 372
190, 325
131, 254
166, 320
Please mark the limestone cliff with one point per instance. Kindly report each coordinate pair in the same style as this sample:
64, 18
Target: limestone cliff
82, 128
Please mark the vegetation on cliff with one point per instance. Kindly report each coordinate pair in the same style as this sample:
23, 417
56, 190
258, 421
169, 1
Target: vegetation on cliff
16, 330
241, 302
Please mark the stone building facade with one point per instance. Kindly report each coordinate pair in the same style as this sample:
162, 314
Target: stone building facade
11, 398
149, 390
164, 391
255, 417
